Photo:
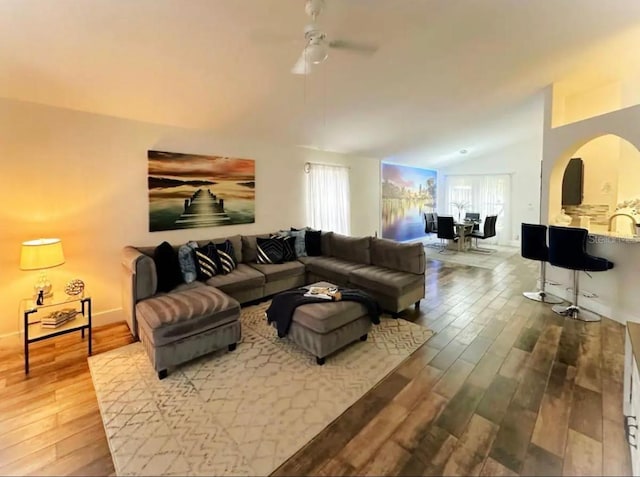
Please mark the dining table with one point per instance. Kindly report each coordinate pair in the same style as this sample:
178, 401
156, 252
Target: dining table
464, 230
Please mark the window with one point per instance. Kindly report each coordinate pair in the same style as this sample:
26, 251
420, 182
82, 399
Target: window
483, 194
328, 199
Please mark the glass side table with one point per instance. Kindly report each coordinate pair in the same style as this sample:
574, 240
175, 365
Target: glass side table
33, 314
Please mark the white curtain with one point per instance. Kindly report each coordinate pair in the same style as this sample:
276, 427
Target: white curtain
328, 201
483, 194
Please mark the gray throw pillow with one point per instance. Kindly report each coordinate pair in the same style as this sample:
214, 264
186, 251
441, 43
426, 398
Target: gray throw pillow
301, 250
187, 262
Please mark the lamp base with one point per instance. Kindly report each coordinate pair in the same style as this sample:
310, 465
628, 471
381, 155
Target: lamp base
44, 285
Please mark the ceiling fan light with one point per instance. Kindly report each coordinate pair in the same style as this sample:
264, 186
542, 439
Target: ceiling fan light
316, 52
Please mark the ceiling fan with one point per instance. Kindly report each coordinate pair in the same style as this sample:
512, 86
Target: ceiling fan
317, 45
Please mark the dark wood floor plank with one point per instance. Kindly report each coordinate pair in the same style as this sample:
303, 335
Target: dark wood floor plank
460, 409
389, 460
589, 360
586, 413
472, 448
366, 443
540, 462
415, 426
496, 400
496, 469
453, 379
583, 455
417, 361
531, 389
569, 345
545, 349
512, 441
527, 339
476, 350
485, 370
552, 423
448, 355
418, 387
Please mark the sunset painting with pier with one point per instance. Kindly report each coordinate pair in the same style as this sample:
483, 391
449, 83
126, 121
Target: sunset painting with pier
189, 190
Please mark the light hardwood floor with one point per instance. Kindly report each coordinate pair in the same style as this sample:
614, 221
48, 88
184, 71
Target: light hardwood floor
505, 387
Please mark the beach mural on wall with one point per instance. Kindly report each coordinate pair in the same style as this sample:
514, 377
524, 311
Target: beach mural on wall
407, 193
189, 190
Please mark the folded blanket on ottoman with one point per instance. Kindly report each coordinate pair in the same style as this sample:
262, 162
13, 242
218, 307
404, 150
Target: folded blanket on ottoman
284, 305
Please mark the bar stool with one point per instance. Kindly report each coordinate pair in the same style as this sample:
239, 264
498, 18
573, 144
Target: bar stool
568, 249
534, 247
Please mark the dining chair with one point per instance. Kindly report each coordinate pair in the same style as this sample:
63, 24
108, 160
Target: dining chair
489, 231
430, 226
446, 231
475, 216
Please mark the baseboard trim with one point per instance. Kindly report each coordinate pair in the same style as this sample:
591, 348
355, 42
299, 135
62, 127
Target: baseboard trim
592, 304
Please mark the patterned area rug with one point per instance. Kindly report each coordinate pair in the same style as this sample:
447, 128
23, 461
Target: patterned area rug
238, 413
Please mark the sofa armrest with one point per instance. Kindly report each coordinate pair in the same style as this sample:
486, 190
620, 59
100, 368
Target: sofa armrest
139, 281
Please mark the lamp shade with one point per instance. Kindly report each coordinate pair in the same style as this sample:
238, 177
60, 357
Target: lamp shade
41, 253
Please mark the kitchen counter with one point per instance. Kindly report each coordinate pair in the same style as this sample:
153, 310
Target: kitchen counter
614, 236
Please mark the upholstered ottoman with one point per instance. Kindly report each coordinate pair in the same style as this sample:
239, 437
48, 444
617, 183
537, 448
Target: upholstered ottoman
322, 328
184, 324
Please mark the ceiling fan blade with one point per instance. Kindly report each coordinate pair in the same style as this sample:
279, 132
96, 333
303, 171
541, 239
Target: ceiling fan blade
302, 66
356, 47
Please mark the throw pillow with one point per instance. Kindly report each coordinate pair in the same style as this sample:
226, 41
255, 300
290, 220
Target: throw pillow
167, 267
312, 242
227, 256
269, 250
208, 262
301, 250
288, 249
186, 258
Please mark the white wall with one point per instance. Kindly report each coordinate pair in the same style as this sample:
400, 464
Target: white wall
522, 160
83, 177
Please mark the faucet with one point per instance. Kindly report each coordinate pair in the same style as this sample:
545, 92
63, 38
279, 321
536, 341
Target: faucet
633, 222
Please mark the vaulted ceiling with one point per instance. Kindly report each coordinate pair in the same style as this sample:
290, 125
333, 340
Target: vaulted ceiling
446, 73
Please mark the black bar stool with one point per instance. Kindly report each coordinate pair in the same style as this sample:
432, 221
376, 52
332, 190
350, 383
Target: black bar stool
568, 249
534, 247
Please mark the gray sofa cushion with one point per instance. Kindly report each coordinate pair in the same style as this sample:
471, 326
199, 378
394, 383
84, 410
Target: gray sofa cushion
249, 247
384, 280
169, 317
407, 257
333, 269
306, 260
326, 317
278, 271
242, 278
354, 249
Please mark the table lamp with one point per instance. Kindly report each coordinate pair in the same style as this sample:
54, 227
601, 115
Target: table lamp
41, 254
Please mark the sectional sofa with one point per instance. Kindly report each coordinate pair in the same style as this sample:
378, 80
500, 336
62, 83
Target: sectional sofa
197, 318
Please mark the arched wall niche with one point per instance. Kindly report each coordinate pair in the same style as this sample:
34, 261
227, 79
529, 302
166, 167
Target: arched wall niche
611, 177
562, 143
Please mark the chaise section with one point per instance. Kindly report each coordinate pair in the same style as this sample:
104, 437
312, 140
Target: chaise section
181, 325
394, 290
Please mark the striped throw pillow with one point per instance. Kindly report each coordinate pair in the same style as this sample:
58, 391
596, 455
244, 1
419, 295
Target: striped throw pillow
227, 256
207, 262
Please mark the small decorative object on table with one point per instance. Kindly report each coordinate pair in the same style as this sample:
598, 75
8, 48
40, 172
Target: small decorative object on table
74, 287
461, 205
